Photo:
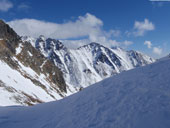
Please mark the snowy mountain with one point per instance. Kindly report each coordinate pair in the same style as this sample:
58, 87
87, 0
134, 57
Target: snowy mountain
138, 98
41, 70
90, 63
26, 76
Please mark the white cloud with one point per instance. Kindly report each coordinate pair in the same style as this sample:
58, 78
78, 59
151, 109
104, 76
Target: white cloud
157, 50
88, 26
127, 43
5, 5
123, 44
115, 33
142, 27
148, 44
128, 33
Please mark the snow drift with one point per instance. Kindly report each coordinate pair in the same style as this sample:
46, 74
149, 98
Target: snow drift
139, 98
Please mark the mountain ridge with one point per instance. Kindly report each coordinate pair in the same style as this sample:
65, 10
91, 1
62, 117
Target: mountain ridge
90, 63
32, 70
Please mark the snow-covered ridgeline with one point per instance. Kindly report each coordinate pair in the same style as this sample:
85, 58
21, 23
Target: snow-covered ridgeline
88, 64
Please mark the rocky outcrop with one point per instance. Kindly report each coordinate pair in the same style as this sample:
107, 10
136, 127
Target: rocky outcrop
32, 58
9, 35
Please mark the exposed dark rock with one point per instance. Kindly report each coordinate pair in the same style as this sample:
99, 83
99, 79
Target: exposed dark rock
6, 55
9, 35
40, 64
87, 71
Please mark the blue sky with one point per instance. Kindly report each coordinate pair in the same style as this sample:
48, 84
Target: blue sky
132, 24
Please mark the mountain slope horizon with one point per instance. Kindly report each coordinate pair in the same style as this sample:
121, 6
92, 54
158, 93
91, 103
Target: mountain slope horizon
138, 98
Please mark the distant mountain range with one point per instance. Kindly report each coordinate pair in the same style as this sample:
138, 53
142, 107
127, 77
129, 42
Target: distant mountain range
90, 63
43, 69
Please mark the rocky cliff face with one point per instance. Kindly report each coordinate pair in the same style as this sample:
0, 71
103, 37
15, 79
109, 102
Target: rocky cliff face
32, 67
32, 58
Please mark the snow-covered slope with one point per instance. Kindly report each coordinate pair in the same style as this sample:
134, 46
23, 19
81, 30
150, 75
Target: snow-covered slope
139, 98
90, 63
16, 89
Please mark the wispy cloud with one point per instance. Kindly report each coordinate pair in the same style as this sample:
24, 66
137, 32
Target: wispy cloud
157, 50
127, 43
159, 3
5, 5
115, 33
23, 6
123, 44
142, 27
159, 0
148, 44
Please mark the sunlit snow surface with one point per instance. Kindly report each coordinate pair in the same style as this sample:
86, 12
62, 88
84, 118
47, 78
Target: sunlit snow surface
139, 98
14, 85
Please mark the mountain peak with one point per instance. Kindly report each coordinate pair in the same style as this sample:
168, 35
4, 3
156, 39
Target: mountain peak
91, 45
94, 43
2, 22
9, 37
6, 32
42, 37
